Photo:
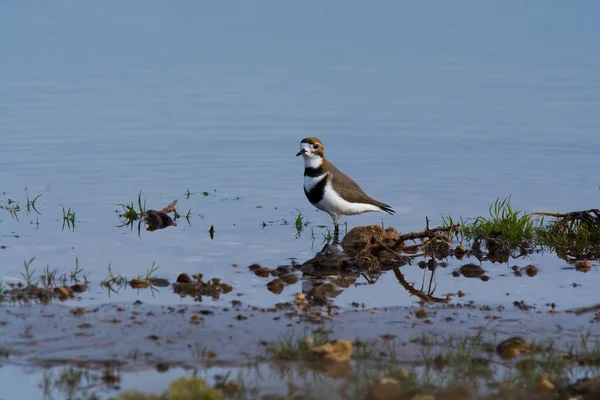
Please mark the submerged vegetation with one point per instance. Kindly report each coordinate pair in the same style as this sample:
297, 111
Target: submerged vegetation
51, 285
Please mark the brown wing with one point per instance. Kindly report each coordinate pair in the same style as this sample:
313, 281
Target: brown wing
349, 189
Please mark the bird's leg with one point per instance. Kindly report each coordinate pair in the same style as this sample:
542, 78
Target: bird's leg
336, 230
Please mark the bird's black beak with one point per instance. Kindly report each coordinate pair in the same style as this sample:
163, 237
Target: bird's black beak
300, 152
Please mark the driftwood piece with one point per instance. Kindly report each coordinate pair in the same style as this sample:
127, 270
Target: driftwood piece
434, 233
589, 217
171, 208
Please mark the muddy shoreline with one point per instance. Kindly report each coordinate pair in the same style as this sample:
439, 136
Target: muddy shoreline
139, 334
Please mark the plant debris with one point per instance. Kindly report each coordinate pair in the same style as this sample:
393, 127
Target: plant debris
196, 287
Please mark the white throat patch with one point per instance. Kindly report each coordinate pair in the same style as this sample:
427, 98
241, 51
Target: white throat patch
312, 162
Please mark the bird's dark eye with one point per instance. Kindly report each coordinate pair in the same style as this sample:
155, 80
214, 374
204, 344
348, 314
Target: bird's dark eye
315, 146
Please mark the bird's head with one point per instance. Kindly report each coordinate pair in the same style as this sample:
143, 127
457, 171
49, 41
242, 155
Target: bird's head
311, 148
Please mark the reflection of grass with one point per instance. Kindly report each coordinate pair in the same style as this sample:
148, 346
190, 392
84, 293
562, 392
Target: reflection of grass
30, 204
68, 218
14, 210
300, 222
327, 237
74, 275
570, 238
77, 383
290, 348
113, 283
450, 367
14, 207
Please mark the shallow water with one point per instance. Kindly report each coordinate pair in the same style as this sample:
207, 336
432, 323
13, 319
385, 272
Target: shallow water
427, 114
432, 110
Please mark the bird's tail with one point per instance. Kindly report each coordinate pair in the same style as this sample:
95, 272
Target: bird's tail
387, 209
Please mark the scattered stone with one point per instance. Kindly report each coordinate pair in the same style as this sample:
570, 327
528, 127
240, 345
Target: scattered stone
290, 279
589, 388
162, 367
471, 271
211, 354
522, 306
338, 351
460, 251
197, 287
386, 389
157, 220
184, 278
583, 265
531, 270
263, 272
138, 283
110, 377
66, 291
513, 347
284, 269
300, 299
275, 286
330, 258
254, 267
78, 311
79, 288
422, 313
544, 385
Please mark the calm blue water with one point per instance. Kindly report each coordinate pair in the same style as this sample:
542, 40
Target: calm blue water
434, 108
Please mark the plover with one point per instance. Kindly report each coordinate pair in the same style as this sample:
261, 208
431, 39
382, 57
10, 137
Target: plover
329, 190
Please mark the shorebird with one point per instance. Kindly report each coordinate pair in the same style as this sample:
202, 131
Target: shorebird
329, 190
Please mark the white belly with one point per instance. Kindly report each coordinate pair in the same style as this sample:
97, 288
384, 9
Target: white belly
335, 205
